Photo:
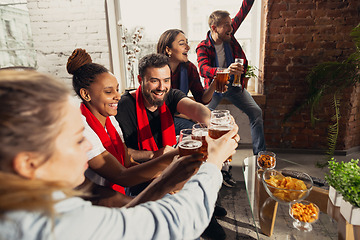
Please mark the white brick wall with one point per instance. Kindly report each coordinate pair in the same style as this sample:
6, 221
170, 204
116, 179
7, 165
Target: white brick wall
60, 26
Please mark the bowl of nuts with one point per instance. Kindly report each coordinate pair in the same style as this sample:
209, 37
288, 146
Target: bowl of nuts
304, 214
266, 160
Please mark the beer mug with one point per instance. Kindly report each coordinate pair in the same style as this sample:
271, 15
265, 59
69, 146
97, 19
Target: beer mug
221, 122
187, 145
222, 76
237, 78
199, 132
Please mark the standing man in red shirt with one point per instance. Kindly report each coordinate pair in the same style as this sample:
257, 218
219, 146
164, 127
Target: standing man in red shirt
219, 49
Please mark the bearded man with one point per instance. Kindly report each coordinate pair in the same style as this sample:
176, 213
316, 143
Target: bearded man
146, 116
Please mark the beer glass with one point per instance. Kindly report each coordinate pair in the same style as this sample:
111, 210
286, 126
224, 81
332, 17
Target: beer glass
199, 132
187, 145
221, 122
222, 76
237, 78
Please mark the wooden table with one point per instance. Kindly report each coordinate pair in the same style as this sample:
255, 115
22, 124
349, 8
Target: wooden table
331, 225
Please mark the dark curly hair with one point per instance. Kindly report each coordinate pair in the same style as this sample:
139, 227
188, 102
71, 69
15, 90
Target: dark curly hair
82, 68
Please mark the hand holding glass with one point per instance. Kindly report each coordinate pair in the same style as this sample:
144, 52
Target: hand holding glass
222, 76
237, 78
221, 122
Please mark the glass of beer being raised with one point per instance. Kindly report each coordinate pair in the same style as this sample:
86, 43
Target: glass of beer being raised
187, 145
237, 78
221, 122
199, 132
222, 76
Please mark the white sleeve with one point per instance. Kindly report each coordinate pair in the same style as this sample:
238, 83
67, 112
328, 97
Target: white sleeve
97, 147
184, 215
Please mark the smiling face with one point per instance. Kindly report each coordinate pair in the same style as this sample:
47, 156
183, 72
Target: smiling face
179, 49
224, 29
103, 96
155, 86
69, 161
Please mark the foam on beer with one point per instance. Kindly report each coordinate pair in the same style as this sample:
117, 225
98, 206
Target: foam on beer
190, 144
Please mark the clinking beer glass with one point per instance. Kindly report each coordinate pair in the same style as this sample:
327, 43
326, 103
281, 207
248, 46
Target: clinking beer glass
221, 122
199, 132
237, 78
222, 76
187, 145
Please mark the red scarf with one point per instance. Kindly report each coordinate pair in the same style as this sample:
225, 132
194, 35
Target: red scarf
145, 138
110, 139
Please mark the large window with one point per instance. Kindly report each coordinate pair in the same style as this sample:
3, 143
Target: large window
156, 16
16, 43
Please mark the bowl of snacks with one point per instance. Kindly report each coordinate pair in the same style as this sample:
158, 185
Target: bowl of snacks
286, 186
266, 160
304, 213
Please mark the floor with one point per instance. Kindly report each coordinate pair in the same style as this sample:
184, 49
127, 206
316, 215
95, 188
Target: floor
238, 223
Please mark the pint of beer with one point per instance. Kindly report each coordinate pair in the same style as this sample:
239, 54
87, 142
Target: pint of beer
222, 76
199, 132
189, 146
220, 123
237, 78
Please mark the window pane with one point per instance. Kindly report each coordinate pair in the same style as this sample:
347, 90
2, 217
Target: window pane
16, 43
153, 17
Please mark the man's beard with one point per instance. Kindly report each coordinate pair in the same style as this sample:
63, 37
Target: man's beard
226, 39
153, 102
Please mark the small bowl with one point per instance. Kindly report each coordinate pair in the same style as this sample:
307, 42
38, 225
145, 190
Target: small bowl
266, 160
292, 192
299, 223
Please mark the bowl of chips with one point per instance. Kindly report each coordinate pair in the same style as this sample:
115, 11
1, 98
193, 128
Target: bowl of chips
266, 160
286, 186
304, 214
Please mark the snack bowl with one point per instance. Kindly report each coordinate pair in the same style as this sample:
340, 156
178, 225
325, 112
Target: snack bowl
266, 160
304, 214
286, 186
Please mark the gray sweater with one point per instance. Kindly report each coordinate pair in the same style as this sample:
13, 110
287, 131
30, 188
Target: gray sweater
184, 215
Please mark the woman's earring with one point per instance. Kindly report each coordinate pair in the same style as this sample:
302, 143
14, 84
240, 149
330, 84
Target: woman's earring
169, 55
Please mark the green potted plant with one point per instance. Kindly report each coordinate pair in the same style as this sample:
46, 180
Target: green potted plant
331, 78
344, 177
250, 72
335, 181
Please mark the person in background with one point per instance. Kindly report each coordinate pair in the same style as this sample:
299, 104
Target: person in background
185, 76
219, 49
110, 163
43, 157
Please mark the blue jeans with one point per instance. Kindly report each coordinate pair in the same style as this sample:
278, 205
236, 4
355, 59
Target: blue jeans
244, 101
182, 123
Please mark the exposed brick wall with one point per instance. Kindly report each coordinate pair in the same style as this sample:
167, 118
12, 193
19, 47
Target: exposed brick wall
60, 26
300, 34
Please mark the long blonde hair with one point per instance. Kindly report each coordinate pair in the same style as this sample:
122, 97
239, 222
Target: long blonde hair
32, 106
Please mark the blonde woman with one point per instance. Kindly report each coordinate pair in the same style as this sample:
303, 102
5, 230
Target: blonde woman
43, 157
